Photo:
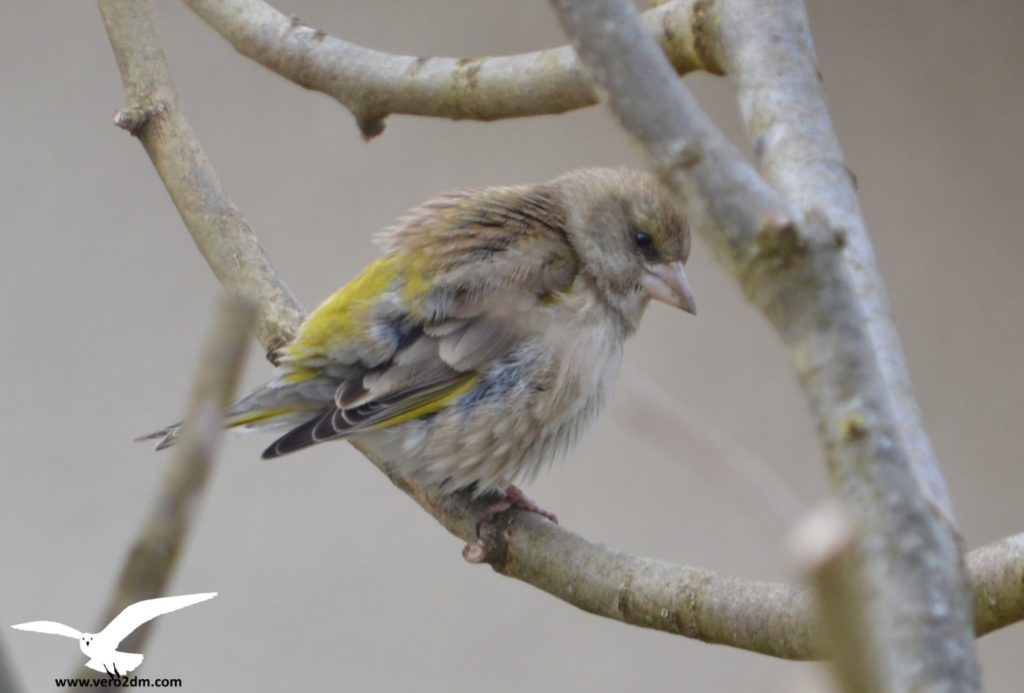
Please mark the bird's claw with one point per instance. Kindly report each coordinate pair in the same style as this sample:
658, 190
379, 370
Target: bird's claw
512, 498
480, 551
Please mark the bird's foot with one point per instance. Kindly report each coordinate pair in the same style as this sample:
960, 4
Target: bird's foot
512, 498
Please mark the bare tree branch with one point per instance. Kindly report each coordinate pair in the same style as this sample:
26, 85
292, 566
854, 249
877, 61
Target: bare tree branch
768, 45
769, 618
773, 619
824, 545
372, 84
901, 498
725, 199
155, 116
154, 555
997, 571
770, 54
800, 276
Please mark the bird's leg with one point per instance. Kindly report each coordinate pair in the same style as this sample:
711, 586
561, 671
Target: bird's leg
109, 673
512, 498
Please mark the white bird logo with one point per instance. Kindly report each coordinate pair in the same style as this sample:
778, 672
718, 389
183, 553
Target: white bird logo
101, 648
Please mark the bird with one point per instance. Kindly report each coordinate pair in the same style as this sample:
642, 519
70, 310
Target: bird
487, 337
101, 648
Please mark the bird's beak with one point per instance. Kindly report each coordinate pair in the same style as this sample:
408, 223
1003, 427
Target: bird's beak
667, 282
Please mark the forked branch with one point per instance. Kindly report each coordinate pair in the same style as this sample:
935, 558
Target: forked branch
805, 260
773, 619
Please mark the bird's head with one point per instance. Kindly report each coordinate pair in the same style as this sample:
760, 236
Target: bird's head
86, 641
631, 241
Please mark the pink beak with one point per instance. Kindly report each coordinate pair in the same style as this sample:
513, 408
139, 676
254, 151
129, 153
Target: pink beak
667, 282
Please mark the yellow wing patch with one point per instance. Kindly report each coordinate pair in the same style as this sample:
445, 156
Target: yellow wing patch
346, 315
429, 402
258, 415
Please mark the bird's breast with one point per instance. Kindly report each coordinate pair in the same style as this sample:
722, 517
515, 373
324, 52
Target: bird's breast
528, 407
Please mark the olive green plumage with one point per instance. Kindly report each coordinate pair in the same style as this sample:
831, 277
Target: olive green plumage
488, 335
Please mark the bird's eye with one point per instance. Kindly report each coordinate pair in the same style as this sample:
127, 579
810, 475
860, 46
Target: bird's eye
645, 244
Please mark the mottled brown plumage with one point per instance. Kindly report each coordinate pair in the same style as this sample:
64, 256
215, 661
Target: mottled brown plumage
488, 335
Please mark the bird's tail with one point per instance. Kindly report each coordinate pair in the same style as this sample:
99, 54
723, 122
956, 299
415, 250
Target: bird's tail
280, 404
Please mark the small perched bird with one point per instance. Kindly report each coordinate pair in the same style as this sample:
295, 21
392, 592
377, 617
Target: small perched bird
483, 342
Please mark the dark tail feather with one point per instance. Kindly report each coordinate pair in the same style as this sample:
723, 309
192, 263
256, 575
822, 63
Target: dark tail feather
302, 436
316, 430
168, 436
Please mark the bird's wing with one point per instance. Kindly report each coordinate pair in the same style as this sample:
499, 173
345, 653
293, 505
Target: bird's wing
457, 290
50, 628
134, 615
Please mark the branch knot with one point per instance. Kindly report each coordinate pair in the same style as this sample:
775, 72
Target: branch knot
135, 119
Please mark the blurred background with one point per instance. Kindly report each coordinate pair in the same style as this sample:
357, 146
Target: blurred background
329, 578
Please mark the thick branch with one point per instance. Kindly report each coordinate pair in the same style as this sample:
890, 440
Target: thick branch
848, 355
722, 197
373, 85
154, 555
798, 274
769, 618
783, 105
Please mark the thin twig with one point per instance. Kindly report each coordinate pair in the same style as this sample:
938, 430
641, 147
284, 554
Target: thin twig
997, 571
155, 552
775, 619
757, 491
155, 116
372, 84
768, 618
